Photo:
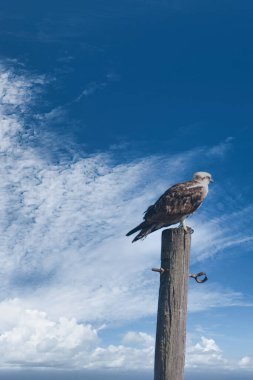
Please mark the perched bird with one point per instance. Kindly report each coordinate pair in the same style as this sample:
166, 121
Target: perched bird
174, 206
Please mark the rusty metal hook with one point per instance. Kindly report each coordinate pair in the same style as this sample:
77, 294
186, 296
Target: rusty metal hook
197, 279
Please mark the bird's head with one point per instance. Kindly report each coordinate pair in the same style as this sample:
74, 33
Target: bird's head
203, 177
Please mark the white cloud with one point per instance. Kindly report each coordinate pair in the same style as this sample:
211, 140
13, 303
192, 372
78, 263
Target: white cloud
121, 357
138, 353
29, 338
14, 90
221, 149
138, 338
246, 361
205, 353
206, 345
93, 87
215, 235
57, 114
204, 298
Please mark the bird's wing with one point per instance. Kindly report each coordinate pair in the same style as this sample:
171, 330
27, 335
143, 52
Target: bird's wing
178, 201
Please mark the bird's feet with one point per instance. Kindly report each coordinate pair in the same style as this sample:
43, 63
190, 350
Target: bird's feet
187, 229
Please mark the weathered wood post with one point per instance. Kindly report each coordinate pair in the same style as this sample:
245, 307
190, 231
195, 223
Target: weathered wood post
172, 305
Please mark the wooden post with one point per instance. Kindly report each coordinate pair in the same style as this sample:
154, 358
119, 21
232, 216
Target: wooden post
172, 305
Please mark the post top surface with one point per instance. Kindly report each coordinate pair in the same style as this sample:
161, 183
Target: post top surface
176, 231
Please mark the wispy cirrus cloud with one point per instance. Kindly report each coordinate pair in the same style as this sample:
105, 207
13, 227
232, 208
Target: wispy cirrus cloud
218, 234
214, 297
96, 86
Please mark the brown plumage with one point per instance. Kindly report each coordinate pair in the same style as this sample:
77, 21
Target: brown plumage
174, 206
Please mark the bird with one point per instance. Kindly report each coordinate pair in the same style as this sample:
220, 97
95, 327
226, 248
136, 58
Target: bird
174, 206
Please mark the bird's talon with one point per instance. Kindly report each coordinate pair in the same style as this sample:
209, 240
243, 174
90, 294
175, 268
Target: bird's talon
188, 229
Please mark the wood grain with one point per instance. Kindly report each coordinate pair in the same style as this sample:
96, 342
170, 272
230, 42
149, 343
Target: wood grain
172, 305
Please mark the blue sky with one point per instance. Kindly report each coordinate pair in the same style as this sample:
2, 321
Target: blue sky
103, 106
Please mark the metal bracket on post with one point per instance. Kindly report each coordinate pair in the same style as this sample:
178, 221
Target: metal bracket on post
160, 270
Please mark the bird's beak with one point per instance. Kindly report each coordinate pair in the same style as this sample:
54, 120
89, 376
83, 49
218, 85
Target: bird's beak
211, 180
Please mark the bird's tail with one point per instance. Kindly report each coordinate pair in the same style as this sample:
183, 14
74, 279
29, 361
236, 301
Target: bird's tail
138, 228
145, 230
